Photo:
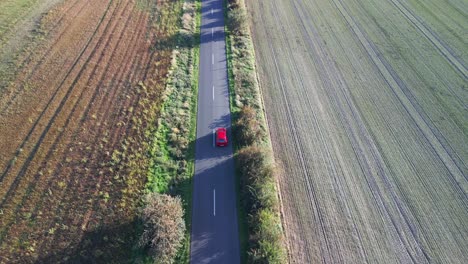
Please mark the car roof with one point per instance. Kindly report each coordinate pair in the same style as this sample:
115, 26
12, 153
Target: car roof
221, 132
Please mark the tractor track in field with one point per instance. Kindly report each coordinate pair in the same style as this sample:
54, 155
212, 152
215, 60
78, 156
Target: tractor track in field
56, 91
377, 159
406, 98
375, 54
312, 197
297, 146
73, 110
92, 106
15, 44
102, 117
56, 112
369, 140
39, 63
357, 143
26, 166
348, 114
326, 68
299, 153
331, 257
79, 189
443, 48
26, 59
440, 46
457, 159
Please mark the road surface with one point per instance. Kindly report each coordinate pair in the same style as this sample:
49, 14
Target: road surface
214, 217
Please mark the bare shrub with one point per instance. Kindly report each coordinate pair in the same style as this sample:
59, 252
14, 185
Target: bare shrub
164, 226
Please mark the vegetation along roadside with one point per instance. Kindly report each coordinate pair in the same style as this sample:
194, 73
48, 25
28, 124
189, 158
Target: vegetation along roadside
260, 223
172, 150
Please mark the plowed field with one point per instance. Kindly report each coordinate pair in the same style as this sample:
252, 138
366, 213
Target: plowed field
367, 107
77, 106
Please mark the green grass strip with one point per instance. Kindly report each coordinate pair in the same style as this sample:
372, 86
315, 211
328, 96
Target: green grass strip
173, 151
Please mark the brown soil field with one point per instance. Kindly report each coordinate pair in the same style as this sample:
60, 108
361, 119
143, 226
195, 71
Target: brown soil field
76, 111
366, 102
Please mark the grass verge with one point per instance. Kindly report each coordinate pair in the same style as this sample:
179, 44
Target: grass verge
261, 233
172, 154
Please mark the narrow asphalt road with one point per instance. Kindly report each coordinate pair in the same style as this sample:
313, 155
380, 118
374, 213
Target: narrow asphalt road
214, 217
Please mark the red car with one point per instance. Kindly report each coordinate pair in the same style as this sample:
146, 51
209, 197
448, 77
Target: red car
221, 137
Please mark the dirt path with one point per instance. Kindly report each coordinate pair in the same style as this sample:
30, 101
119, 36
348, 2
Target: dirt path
370, 177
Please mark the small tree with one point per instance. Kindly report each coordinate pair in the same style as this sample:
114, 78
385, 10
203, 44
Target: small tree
164, 226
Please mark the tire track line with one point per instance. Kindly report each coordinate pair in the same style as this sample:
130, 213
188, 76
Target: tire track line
40, 61
7, 169
433, 38
377, 156
400, 208
51, 150
326, 258
427, 66
327, 152
9, 165
443, 141
57, 111
299, 219
368, 145
411, 107
324, 68
350, 115
24, 60
67, 205
121, 103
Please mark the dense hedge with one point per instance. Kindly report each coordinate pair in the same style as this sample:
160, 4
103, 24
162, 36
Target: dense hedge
248, 127
254, 160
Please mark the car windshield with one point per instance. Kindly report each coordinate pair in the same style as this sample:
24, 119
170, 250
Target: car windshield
222, 140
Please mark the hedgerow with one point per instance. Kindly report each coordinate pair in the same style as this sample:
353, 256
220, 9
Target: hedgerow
254, 159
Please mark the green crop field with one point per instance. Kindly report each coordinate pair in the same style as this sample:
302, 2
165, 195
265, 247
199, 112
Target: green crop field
366, 101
